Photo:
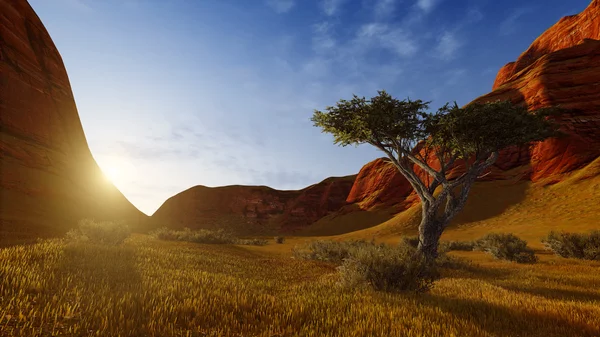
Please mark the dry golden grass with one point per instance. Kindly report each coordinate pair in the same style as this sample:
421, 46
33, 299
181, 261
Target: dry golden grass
154, 288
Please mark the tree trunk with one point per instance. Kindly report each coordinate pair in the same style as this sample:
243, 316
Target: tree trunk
430, 231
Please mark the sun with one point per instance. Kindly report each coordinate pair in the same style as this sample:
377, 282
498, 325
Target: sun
114, 168
112, 173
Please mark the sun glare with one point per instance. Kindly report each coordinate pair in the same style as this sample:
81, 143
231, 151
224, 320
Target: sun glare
114, 169
111, 173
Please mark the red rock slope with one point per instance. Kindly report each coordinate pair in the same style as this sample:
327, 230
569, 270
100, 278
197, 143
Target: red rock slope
49, 178
253, 209
561, 67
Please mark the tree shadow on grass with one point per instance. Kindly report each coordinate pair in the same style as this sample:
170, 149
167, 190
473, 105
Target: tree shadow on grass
556, 294
503, 321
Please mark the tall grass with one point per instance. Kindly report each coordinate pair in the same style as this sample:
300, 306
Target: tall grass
147, 287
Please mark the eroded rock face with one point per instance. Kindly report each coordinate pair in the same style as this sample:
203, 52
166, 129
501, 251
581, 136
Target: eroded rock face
562, 67
568, 32
49, 179
253, 209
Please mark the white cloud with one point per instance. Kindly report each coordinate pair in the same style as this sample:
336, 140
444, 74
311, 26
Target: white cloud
330, 7
394, 39
448, 45
322, 41
510, 24
427, 5
281, 6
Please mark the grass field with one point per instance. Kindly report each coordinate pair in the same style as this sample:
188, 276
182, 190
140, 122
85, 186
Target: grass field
148, 287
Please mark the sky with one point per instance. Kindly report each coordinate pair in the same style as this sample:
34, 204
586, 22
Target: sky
177, 93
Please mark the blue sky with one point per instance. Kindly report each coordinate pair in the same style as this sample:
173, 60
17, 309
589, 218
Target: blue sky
177, 93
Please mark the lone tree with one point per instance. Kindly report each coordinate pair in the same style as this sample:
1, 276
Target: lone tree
425, 146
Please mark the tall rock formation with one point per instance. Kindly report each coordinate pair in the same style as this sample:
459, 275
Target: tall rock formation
49, 179
561, 67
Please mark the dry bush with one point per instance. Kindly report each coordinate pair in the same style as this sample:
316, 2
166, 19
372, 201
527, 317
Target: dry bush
100, 232
506, 246
574, 245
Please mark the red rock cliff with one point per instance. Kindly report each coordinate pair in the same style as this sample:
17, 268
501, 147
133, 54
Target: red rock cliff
568, 32
49, 179
562, 67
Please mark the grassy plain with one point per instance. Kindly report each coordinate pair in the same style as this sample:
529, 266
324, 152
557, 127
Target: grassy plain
148, 287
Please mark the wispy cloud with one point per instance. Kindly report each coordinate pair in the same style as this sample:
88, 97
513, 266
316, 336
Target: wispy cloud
395, 39
448, 45
427, 5
281, 6
331, 7
509, 25
384, 8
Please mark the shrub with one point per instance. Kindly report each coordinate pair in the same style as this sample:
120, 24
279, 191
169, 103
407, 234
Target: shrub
379, 266
387, 268
331, 251
457, 245
252, 242
412, 241
279, 239
197, 236
100, 232
574, 245
506, 247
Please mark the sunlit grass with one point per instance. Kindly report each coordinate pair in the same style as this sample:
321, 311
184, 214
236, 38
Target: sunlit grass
149, 287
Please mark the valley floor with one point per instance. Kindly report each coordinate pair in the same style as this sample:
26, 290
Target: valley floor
155, 288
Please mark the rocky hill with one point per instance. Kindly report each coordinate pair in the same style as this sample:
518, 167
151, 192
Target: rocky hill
253, 209
49, 179
562, 67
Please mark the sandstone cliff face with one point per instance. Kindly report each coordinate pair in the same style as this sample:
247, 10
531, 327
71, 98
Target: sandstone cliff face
253, 209
562, 67
49, 179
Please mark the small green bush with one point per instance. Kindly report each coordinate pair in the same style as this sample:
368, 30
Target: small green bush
279, 239
387, 268
99, 232
506, 247
574, 245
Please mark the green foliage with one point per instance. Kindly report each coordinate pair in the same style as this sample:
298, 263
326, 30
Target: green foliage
506, 246
398, 125
99, 232
279, 239
483, 128
387, 268
574, 245
381, 118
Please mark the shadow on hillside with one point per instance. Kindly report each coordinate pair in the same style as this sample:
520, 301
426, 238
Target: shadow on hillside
491, 199
498, 320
